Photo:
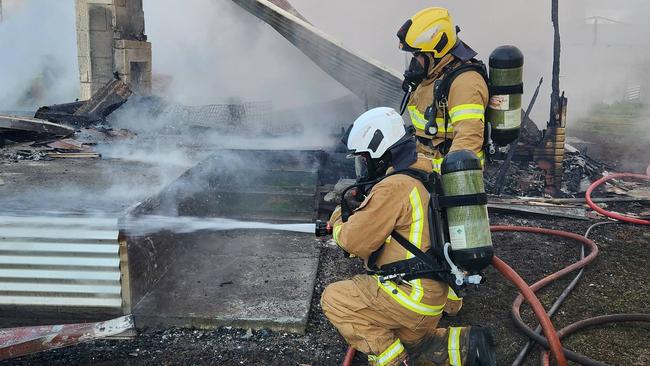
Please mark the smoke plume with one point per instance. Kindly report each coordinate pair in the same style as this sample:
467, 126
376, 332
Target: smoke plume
39, 54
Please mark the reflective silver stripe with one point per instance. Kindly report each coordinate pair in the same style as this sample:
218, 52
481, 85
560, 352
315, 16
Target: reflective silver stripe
467, 111
420, 122
391, 353
406, 301
453, 346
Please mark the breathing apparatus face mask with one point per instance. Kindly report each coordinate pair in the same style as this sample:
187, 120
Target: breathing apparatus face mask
416, 72
361, 167
368, 169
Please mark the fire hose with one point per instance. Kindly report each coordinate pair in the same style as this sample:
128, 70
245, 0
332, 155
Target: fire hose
610, 214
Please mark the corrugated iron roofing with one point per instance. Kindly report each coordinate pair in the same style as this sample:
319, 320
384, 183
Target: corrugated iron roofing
59, 261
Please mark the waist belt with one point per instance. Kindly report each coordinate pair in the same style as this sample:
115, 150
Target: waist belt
407, 270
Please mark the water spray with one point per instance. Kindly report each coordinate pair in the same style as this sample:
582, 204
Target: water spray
148, 224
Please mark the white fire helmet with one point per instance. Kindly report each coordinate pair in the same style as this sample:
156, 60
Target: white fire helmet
376, 131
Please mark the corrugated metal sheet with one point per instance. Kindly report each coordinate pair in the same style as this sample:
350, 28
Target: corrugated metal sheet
59, 261
369, 79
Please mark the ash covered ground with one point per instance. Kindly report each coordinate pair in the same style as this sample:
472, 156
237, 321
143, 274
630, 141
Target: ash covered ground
615, 283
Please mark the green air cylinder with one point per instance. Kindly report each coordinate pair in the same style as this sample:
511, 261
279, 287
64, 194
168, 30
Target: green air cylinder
506, 89
469, 228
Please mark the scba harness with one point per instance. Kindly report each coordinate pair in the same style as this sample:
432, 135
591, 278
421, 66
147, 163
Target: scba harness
436, 262
441, 88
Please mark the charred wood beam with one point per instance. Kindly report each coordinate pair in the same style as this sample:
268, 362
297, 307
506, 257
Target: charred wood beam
555, 83
368, 79
24, 129
93, 111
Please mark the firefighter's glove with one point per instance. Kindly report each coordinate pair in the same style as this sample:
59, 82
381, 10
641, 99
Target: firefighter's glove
353, 198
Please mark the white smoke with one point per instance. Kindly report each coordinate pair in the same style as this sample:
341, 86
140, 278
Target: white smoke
215, 52
38, 65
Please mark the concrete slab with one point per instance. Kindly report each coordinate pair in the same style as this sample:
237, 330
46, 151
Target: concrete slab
247, 279
250, 279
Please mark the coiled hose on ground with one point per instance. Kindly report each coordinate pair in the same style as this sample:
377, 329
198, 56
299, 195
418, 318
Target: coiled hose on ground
610, 214
521, 357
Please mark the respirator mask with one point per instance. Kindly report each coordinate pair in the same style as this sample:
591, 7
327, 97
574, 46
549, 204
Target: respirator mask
368, 169
415, 73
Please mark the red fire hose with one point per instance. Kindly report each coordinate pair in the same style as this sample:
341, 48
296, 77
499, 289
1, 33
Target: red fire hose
349, 356
614, 215
536, 305
595, 321
516, 305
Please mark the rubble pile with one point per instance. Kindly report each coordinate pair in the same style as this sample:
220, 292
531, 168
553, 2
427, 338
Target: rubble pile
525, 178
579, 172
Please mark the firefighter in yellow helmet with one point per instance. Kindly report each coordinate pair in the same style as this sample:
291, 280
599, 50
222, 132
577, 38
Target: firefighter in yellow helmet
459, 113
392, 319
446, 106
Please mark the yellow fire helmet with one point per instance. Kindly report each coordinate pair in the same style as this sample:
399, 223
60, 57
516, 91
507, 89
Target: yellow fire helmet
430, 30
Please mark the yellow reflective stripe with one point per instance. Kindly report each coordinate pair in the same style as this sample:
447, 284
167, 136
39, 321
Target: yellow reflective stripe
337, 233
466, 106
437, 163
417, 118
481, 156
467, 111
417, 217
451, 295
453, 346
415, 237
403, 299
420, 122
391, 353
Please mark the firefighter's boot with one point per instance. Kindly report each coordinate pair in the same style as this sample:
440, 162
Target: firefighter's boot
481, 350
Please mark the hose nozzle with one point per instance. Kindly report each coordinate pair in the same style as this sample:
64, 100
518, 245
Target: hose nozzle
323, 228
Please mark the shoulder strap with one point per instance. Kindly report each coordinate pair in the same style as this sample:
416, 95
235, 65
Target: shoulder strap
449, 77
414, 250
426, 179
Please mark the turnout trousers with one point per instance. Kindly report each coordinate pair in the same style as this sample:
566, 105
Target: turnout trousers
373, 322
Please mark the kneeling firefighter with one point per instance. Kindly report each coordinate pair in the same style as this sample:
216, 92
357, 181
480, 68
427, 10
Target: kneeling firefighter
391, 313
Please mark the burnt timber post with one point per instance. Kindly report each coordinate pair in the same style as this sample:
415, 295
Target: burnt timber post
549, 155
